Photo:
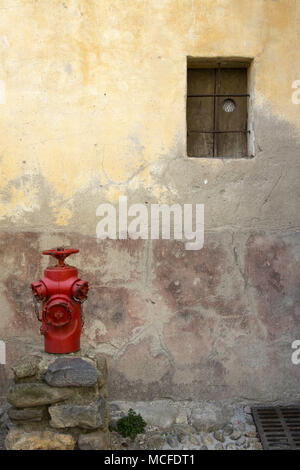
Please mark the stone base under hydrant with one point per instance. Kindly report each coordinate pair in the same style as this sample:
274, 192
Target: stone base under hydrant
59, 403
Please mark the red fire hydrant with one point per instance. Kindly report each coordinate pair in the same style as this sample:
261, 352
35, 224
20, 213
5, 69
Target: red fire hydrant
61, 293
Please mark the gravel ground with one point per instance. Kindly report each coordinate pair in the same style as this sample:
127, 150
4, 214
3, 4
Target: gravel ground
185, 437
239, 434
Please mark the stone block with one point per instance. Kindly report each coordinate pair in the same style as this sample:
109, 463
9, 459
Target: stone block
27, 414
100, 362
71, 372
210, 416
102, 368
17, 439
28, 395
70, 389
98, 440
90, 416
26, 366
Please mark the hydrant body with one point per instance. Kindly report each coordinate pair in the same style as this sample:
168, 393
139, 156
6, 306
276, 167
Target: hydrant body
61, 293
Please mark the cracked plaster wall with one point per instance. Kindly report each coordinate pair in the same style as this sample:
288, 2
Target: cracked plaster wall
94, 109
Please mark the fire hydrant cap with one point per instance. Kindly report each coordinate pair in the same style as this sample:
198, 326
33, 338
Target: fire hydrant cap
61, 253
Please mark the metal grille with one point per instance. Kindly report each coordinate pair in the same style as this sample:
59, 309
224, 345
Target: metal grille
278, 427
213, 130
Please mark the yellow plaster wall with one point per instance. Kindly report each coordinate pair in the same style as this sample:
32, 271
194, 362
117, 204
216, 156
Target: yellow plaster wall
95, 89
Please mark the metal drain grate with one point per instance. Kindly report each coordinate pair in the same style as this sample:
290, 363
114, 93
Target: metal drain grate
278, 427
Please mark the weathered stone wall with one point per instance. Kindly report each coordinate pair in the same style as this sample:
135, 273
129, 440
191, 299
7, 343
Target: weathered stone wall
95, 109
59, 403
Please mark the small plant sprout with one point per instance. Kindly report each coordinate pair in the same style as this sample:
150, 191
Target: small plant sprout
131, 425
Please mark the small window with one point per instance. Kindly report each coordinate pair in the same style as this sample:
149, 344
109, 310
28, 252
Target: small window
217, 109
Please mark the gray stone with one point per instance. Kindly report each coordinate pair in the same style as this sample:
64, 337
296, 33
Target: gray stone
194, 440
204, 448
3, 410
102, 369
250, 428
114, 418
251, 433
207, 440
180, 436
182, 418
184, 431
235, 435
249, 420
185, 428
185, 442
247, 409
228, 430
26, 367
219, 435
219, 447
101, 363
210, 416
98, 440
240, 427
204, 420
155, 442
252, 440
231, 446
26, 414
172, 441
257, 446
114, 408
241, 441
5, 422
166, 447
85, 416
28, 395
71, 372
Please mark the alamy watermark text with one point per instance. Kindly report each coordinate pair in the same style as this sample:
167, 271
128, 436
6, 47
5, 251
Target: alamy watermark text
152, 221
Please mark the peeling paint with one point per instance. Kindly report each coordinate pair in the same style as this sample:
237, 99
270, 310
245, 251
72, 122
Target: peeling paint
95, 109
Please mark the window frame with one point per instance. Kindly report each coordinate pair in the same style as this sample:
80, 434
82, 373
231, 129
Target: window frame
218, 64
